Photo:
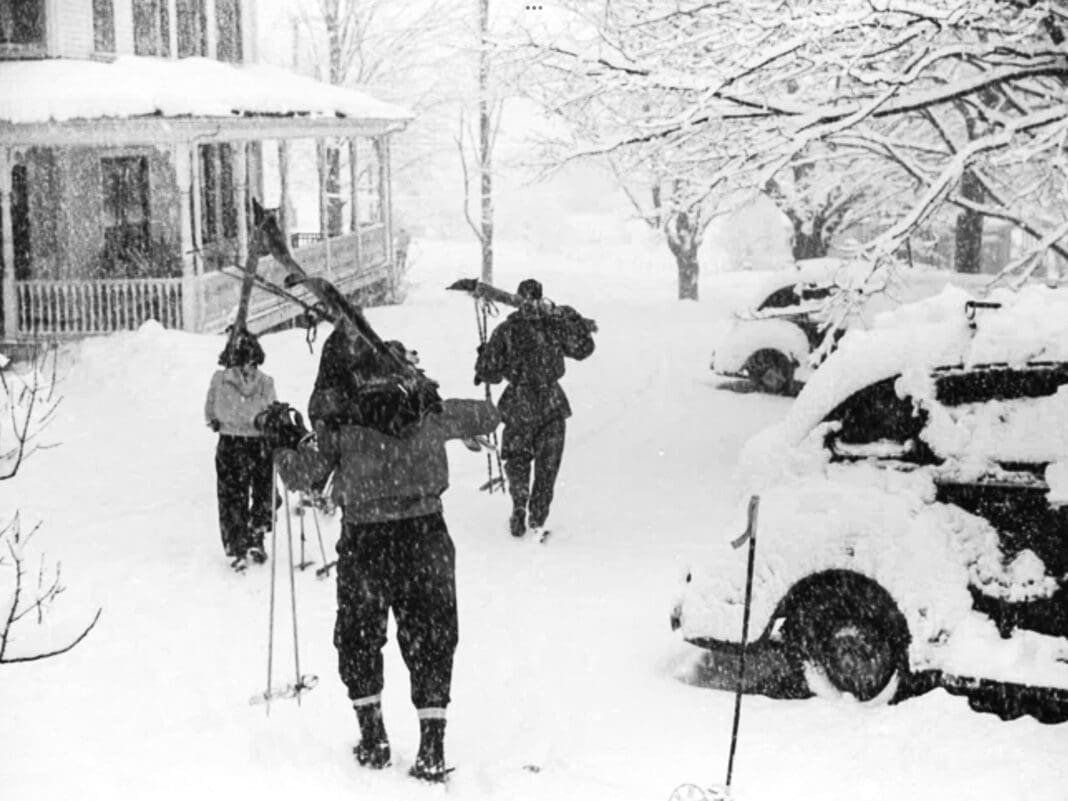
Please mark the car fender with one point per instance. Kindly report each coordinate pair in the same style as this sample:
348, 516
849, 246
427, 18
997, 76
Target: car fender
827, 523
746, 337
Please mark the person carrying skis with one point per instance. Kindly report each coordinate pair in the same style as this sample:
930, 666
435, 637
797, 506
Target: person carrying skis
395, 551
238, 393
527, 350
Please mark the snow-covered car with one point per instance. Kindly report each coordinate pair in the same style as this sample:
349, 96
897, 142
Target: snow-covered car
773, 338
912, 518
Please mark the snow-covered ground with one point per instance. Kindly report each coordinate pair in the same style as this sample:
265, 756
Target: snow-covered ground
568, 681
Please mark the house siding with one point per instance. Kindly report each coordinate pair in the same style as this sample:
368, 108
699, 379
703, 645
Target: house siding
124, 32
74, 29
67, 205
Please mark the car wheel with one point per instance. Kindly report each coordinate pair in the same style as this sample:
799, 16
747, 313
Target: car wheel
856, 658
771, 371
846, 635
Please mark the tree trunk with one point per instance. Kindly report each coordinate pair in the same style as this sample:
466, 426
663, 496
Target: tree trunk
683, 238
809, 244
484, 143
968, 256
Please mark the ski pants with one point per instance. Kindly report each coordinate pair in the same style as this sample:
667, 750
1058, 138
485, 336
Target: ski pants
243, 485
540, 445
408, 566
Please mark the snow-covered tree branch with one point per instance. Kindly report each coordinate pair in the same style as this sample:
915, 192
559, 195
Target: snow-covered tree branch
941, 102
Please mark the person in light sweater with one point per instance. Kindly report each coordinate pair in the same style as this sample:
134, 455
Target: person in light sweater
243, 468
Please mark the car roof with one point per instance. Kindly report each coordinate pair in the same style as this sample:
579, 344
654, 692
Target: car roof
1031, 326
906, 284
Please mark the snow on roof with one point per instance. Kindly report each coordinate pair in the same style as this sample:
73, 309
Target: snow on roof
57, 90
1031, 326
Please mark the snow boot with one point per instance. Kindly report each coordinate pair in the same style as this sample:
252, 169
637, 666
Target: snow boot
239, 564
373, 749
430, 761
518, 522
256, 555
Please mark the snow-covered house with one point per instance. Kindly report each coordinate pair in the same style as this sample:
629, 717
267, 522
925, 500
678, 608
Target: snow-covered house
134, 135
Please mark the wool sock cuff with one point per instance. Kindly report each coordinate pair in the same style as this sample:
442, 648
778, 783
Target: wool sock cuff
370, 700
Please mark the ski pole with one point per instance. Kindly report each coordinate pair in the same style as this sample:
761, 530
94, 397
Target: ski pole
750, 534
318, 533
274, 561
293, 599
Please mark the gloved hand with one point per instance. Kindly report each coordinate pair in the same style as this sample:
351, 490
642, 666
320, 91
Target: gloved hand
214, 425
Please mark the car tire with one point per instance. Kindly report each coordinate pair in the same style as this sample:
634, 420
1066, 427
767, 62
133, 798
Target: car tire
771, 371
846, 635
856, 658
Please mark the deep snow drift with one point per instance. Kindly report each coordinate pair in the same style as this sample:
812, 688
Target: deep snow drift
566, 661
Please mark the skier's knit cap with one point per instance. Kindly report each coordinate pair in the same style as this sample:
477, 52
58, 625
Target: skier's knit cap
529, 289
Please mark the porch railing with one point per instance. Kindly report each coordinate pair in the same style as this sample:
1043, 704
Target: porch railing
97, 307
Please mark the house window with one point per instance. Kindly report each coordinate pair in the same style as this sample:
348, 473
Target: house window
104, 26
192, 28
228, 21
152, 30
126, 232
218, 207
22, 22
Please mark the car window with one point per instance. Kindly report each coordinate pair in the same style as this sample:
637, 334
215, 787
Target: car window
957, 386
788, 296
780, 299
877, 414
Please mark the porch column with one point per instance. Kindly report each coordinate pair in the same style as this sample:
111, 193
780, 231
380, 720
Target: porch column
7, 286
183, 168
195, 196
324, 217
385, 198
240, 151
283, 181
354, 179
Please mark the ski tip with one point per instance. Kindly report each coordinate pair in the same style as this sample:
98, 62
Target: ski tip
464, 285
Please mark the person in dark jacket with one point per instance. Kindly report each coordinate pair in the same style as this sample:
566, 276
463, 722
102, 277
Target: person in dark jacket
243, 470
527, 350
394, 552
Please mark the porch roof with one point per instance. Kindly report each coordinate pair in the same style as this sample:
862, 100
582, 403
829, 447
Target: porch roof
51, 91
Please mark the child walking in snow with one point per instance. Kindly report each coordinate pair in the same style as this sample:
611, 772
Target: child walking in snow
243, 470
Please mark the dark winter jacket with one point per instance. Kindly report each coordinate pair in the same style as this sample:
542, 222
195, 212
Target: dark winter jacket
345, 365
527, 350
234, 402
378, 477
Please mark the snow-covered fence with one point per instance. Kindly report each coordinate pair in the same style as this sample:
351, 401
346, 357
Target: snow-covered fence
77, 307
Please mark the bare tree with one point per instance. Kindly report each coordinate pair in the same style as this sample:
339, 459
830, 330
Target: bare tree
27, 404
736, 93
